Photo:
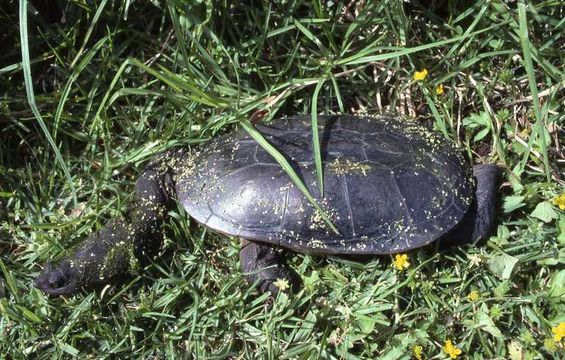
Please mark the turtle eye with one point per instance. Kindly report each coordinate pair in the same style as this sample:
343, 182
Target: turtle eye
57, 280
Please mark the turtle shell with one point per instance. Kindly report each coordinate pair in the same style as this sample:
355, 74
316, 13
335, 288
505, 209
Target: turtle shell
389, 185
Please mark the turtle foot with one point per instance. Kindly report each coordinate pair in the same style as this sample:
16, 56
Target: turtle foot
265, 267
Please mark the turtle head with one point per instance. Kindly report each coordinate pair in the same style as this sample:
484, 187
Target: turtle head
60, 279
101, 257
120, 247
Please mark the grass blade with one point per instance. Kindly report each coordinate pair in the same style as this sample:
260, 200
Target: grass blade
72, 79
310, 36
89, 31
471, 27
526, 49
316, 138
337, 94
180, 84
31, 96
355, 59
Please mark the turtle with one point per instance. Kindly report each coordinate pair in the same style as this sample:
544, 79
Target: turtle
390, 185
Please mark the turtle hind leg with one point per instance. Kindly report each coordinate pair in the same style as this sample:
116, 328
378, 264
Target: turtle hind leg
265, 266
480, 221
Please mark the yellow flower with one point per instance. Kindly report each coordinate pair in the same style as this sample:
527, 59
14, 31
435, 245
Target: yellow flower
401, 262
473, 296
525, 133
420, 75
560, 201
451, 350
559, 331
439, 89
282, 284
417, 352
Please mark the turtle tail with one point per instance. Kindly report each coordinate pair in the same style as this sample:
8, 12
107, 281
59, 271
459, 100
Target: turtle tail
480, 220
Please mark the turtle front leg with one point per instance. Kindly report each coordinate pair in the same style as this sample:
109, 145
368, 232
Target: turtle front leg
265, 266
117, 248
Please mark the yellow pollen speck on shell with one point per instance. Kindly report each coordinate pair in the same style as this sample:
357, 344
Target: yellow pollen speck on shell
439, 89
420, 75
451, 350
401, 262
281, 284
558, 332
560, 201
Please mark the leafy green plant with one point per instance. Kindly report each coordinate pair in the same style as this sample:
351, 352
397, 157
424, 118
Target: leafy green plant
480, 124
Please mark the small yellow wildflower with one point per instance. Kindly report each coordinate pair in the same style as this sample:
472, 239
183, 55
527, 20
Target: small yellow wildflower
417, 352
401, 262
420, 75
451, 350
473, 296
559, 331
281, 284
439, 89
525, 133
560, 201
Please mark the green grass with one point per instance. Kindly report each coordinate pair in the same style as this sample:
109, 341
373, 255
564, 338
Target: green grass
97, 96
